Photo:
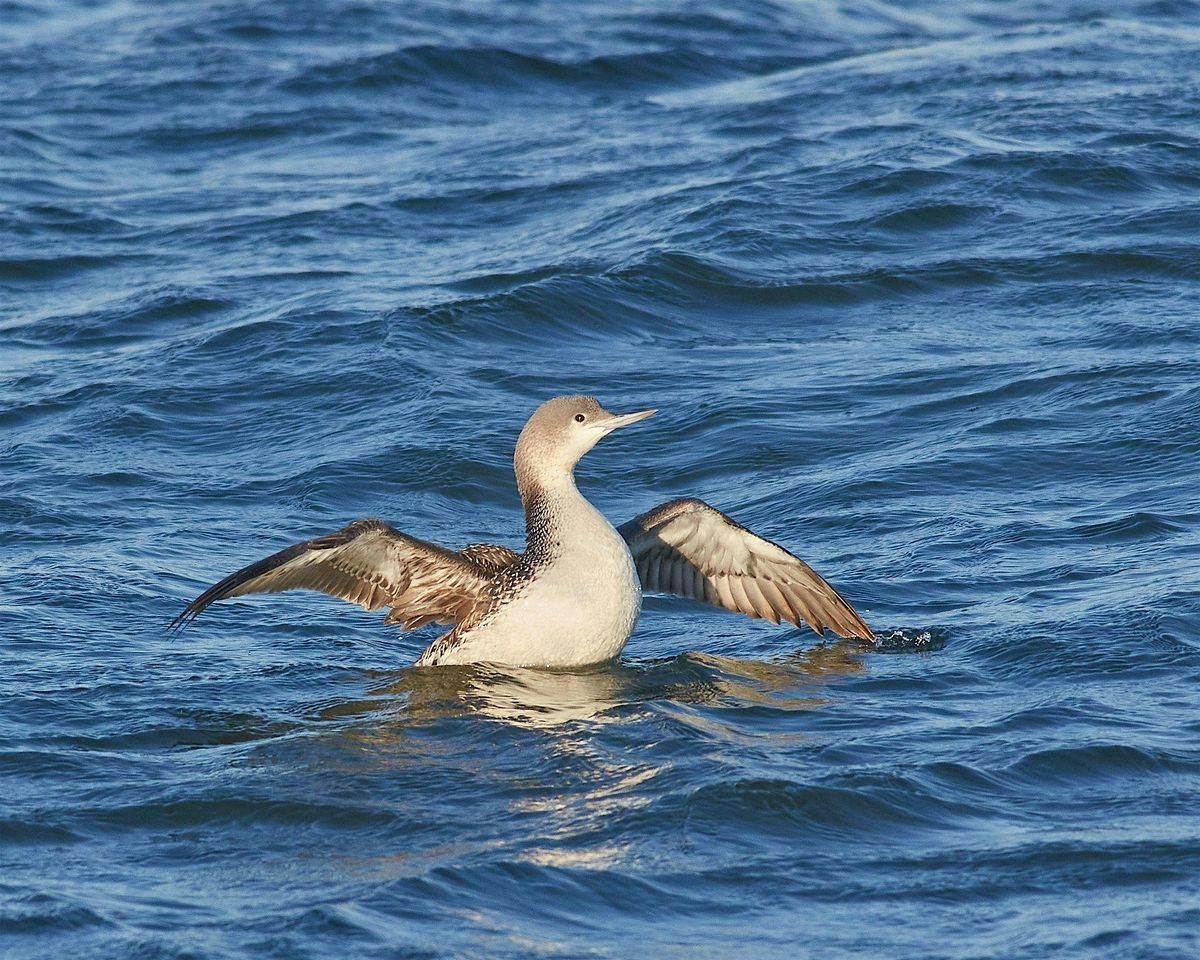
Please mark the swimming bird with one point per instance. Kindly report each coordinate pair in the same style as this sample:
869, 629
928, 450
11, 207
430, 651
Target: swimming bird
573, 597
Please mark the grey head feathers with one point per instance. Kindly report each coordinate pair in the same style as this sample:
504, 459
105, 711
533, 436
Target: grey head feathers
554, 439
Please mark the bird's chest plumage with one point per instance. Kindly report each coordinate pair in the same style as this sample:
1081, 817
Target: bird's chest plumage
573, 602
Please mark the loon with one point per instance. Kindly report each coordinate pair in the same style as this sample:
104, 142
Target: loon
574, 596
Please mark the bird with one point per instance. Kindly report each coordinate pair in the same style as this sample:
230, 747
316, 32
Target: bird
573, 597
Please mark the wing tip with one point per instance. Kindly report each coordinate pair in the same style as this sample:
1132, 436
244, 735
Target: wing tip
225, 587
856, 629
176, 626
197, 606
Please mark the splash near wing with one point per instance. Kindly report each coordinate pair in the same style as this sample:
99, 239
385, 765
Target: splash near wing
369, 563
690, 549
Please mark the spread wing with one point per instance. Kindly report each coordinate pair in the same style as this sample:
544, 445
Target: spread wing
693, 550
369, 563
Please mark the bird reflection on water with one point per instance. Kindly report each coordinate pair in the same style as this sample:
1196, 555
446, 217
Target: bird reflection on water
542, 698
563, 747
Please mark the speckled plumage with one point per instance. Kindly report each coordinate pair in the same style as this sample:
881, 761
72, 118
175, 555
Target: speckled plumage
574, 595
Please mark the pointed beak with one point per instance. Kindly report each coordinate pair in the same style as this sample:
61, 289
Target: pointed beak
623, 420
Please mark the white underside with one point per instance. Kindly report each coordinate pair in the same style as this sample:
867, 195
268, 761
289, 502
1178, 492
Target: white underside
579, 610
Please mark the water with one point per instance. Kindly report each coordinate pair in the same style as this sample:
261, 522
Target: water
914, 287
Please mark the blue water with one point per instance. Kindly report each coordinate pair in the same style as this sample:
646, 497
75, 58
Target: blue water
916, 289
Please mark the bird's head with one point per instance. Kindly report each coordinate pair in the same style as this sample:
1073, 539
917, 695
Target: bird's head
560, 432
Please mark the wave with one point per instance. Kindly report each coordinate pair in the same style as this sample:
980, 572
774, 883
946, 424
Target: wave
914, 289
496, 70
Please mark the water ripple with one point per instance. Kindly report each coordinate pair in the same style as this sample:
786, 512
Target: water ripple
914, 289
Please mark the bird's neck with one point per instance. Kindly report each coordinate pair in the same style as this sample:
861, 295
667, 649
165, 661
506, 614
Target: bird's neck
556, 513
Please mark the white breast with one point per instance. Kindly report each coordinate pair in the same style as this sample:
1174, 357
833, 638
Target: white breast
580, 608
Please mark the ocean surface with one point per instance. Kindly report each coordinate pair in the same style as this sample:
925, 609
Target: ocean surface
916, 290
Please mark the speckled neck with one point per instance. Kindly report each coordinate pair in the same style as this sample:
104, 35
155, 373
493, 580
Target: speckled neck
548, 512
555, 511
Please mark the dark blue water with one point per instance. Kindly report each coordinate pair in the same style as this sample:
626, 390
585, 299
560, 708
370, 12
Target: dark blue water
915, 287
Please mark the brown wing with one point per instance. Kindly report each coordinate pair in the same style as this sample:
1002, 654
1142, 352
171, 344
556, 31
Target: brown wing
369, 563
693, 550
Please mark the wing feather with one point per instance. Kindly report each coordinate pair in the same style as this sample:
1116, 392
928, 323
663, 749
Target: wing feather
372, 564
691, 549
802, 610
654, 564
677, 571
741, 600
758, 596
724, 593
777, 601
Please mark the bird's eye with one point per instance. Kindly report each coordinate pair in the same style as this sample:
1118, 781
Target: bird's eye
579, 418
